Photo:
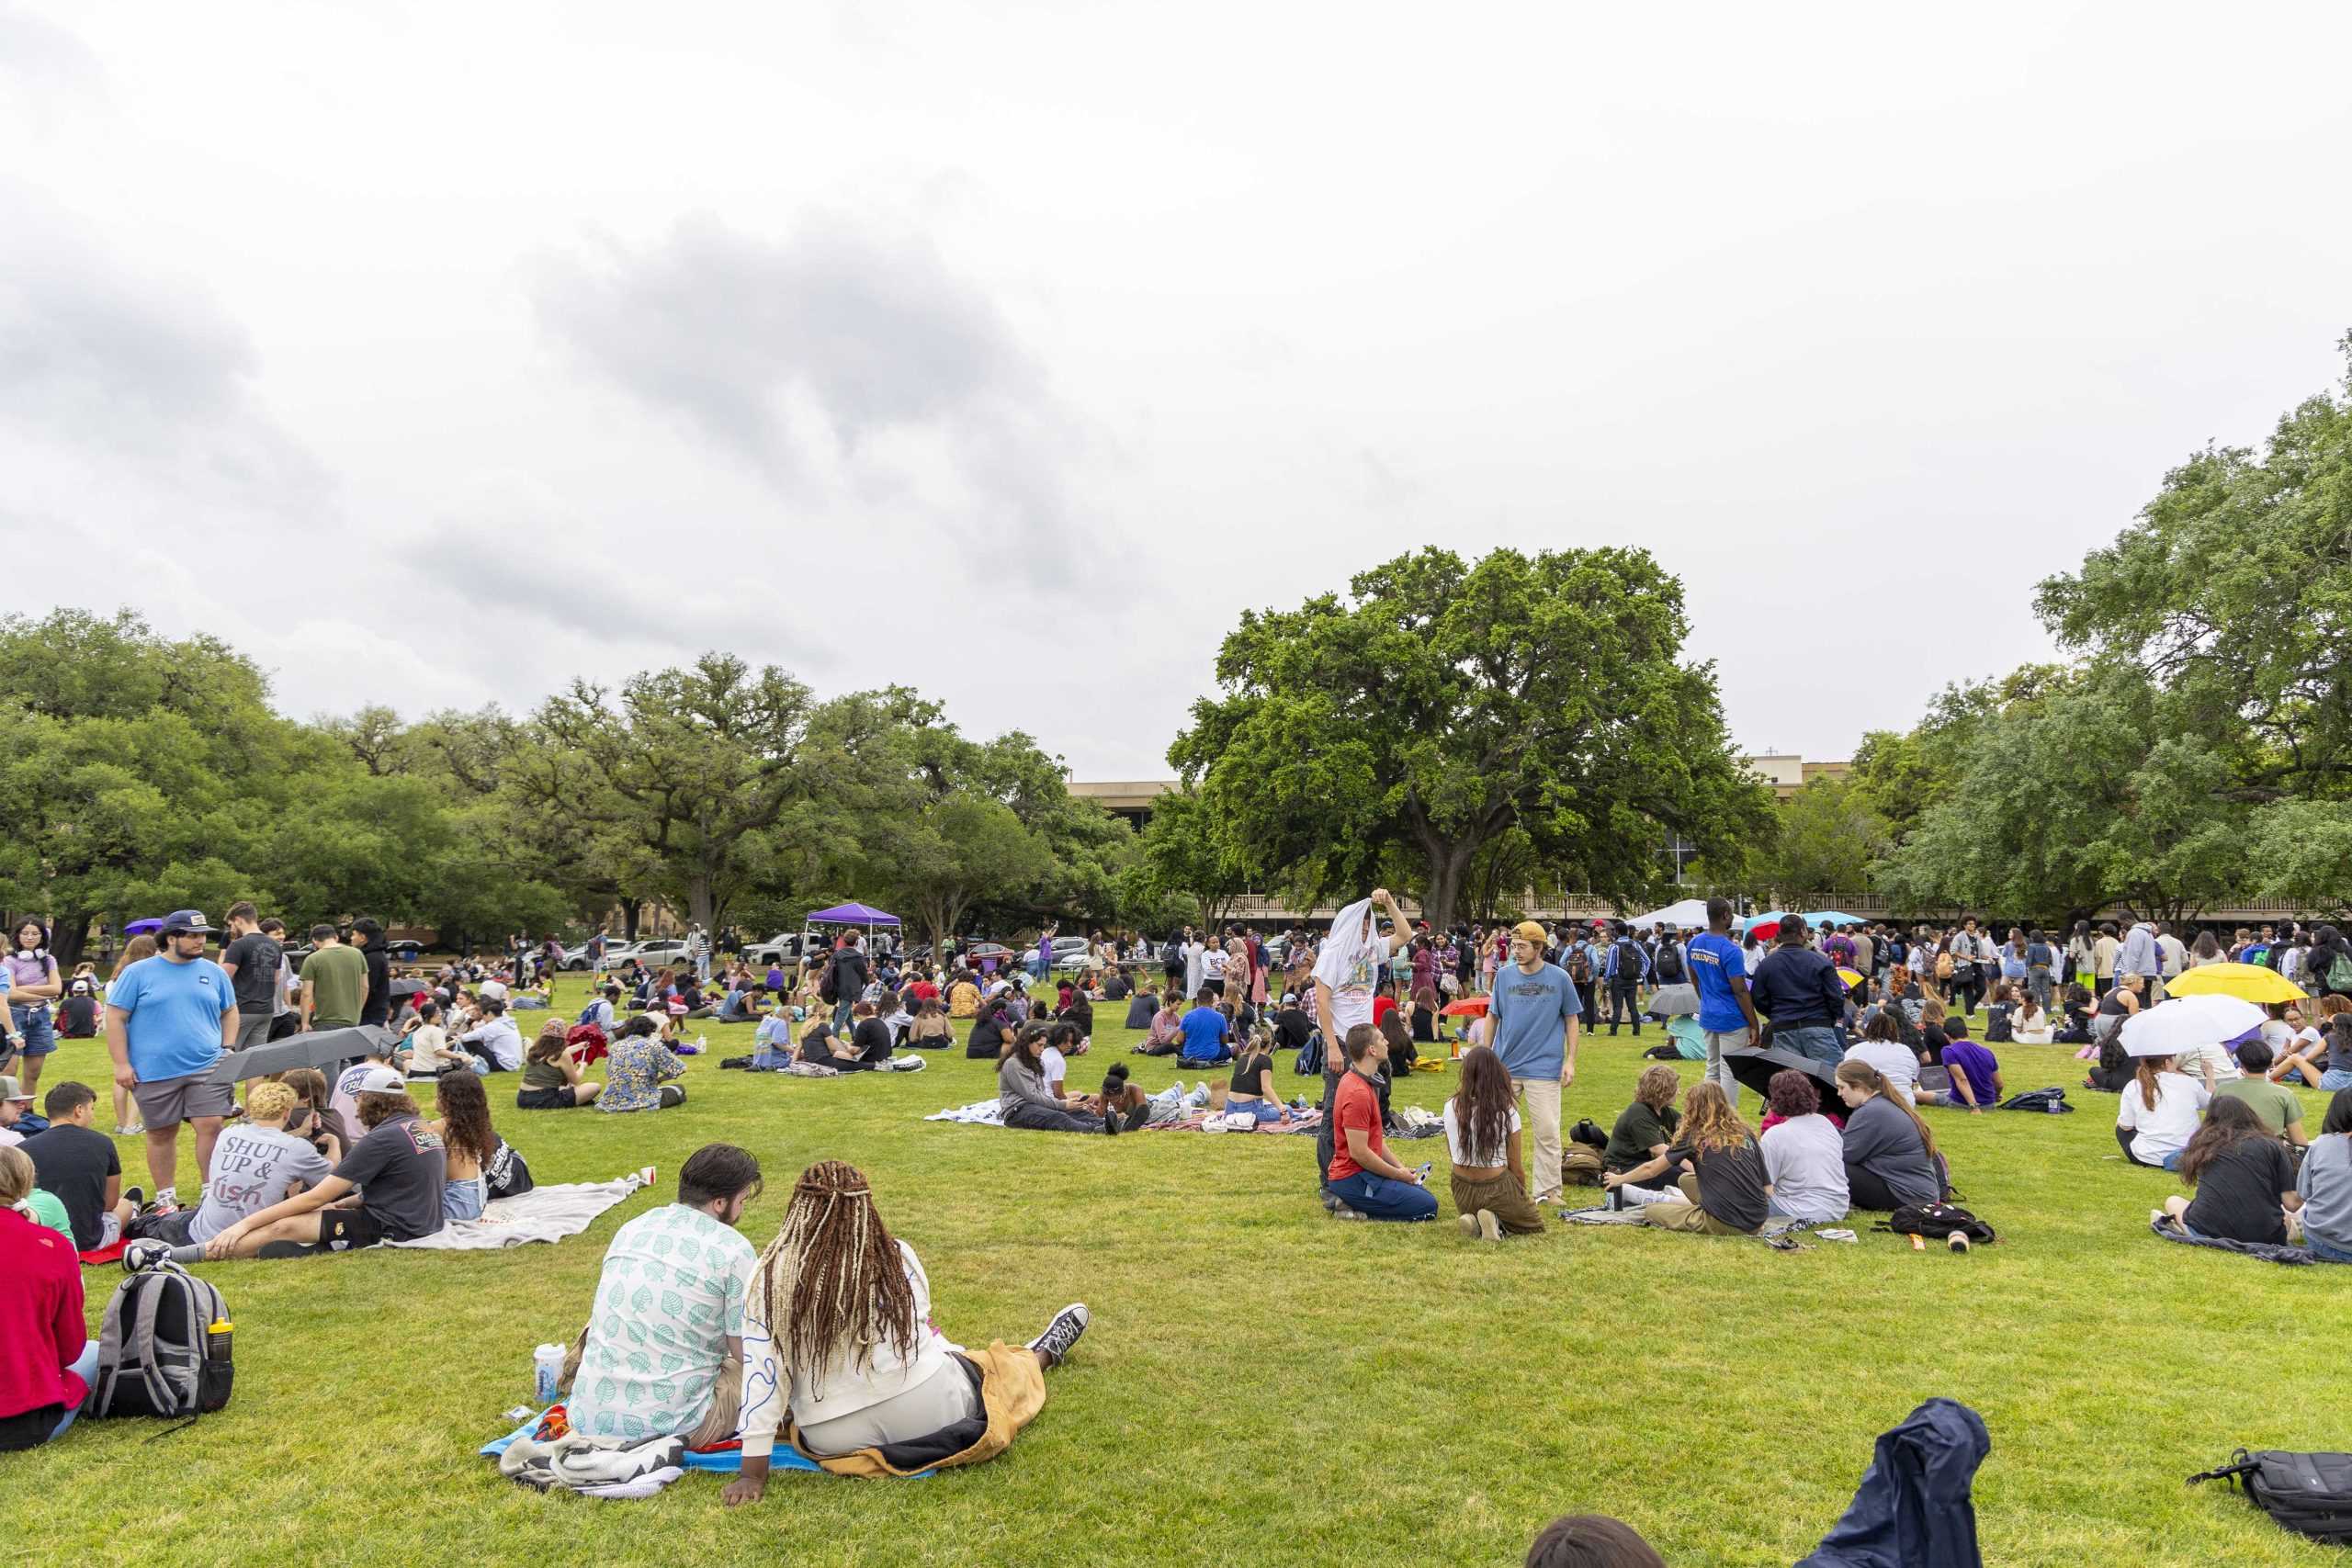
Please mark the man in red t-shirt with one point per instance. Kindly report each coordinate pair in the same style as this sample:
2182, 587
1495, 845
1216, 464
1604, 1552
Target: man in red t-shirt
1366, 1182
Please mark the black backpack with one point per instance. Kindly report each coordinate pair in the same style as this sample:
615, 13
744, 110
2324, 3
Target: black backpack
1628, 960
157, 1353
2051, 1101
1668, 967
1937, 1220
1580, 965
828, 986
2309, 1493
1172, 954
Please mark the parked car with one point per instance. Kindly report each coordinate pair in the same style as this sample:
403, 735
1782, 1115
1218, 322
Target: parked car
406, 950
661, 950
577, 957
787, 948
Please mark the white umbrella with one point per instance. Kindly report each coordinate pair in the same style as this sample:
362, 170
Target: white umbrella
2185, 1023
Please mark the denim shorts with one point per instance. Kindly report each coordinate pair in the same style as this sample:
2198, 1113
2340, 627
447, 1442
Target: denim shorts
2332, 1079
2326, 1252
37, 1036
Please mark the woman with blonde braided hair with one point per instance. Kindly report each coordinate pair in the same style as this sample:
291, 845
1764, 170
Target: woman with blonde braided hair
840, 1353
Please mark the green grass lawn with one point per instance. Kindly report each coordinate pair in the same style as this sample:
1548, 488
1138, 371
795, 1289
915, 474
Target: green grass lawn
1264, 1384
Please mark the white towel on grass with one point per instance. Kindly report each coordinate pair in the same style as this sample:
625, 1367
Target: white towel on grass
544, 1213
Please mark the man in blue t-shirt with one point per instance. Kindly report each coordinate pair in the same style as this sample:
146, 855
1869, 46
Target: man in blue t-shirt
1726, 1014
1204, 1029
1533, 1016
169, 1017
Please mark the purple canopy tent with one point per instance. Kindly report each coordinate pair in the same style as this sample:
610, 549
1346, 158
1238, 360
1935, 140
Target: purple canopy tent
852, 915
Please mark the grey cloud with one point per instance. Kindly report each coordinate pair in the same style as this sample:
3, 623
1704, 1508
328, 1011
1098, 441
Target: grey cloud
832, 354
107, 357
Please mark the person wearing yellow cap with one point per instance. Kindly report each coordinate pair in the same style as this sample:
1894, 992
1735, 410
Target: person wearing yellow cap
1534, 1014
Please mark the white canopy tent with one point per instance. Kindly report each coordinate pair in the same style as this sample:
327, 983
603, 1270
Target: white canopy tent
1681, 917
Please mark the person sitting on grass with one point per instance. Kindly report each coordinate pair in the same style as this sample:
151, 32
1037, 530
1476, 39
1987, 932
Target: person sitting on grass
2158, 1113
20, 1189
1881, 1047
427, 1043
1362, 1181
1252, 1090
656, 1363
463, 1126
1718, 1169
1025, 1101
2276, 1106
2325, 1068
1891, 1156
2244, 1177
820, 1047
1166, 1036
990, 1032
1644, 1131
314, 1118
494, 1044
639, 1069
931, 1030
79, 1164
1592, 1540
1078, 1013
1482, 1140
399, 1169
554, 1076
2028, 1023
1206, 1030
2075, 1010
841, 1355
2324, 1184
1804, 1154
258, 1162
50, 1357
1975, 1073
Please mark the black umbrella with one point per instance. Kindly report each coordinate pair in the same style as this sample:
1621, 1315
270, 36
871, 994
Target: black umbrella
1753, 1068
323, 1048
407, 987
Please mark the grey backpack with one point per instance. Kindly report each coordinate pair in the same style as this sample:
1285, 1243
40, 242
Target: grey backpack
160, 1352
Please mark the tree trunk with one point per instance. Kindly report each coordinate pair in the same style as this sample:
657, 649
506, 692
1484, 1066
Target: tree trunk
702, 904
68, 938
1449, 863
631, 908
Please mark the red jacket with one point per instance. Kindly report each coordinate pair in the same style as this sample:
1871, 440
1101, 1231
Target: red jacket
40, 1316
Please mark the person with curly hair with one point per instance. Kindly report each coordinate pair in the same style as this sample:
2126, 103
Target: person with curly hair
841, 1356
1482, 1139
465, 1130
1721, 1172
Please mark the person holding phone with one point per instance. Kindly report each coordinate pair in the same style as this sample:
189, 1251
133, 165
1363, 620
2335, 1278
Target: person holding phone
1363, 1181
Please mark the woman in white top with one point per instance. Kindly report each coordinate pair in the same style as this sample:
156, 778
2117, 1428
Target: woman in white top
2159, 1113
1489, 1175
858, 1363
1805, 1155
2030, 1024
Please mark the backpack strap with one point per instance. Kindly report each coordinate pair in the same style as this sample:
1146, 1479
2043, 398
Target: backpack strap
101, 1392
2240, 1465
139, 1346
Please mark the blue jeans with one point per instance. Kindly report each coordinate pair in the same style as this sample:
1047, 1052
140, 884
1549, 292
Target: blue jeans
1263, 1110
1380, 1198
1815, 1041
86, 1367
2324, 1251
2330, 1080
37, 1036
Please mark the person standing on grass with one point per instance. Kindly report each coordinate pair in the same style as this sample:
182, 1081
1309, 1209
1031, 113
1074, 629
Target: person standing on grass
251, 963
33, 990
334, 981
1347, 977
367, 938
1535, 1011
1799, 990
1362, 1181
1489, 1175
168, 1022
1727, 1012
2139, 955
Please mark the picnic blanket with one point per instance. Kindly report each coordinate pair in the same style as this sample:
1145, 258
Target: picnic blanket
726, 1458
1198, 1122
544, 1213
979, 1113
2264, 1250
1602, 1215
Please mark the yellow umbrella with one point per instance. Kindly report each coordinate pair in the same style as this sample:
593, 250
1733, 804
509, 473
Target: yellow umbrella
2247, 982
1851, 977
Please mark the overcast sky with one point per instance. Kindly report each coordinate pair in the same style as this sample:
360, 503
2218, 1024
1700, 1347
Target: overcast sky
433, 355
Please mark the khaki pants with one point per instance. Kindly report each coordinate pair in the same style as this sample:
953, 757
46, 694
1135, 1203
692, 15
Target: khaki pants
1687, 1215
1543, 1117
1502, 1196
1580, 1167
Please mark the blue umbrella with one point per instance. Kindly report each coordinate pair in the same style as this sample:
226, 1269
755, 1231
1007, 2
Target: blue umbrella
1821, 917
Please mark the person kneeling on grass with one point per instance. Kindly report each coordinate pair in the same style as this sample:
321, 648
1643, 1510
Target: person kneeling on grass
553, 1076
1482, 1139
840, 1357
398, 1169
1891, 1156
638, 1069
1722, 1173
1362, 1183
2158, 1113
2244, 1180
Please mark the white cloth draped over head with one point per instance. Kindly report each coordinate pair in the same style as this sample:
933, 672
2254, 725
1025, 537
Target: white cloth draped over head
1345, 948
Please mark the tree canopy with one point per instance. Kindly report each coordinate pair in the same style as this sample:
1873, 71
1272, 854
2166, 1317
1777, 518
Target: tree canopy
1442, 708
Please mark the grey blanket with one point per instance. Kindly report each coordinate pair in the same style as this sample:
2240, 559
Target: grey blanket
2263, 1251
544, 1213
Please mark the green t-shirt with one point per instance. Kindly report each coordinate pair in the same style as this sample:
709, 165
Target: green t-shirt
2274, 1102
336, 975
49, 1210
1639, 1130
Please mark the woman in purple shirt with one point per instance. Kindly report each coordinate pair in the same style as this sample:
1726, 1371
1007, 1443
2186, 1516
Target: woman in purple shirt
33, 990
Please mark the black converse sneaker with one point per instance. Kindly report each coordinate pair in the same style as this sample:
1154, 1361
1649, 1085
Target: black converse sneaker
1054, 1344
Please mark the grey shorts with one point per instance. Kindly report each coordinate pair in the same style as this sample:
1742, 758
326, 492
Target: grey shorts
168, 1102
252, 1025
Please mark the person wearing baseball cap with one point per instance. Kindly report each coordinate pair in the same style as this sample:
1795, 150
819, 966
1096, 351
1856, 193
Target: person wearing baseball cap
167, 1024
15, 1106
1533, 1031
398, 1168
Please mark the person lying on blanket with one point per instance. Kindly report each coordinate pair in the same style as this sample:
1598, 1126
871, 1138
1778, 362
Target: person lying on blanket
655, 1363
838, 1340
397, 1171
